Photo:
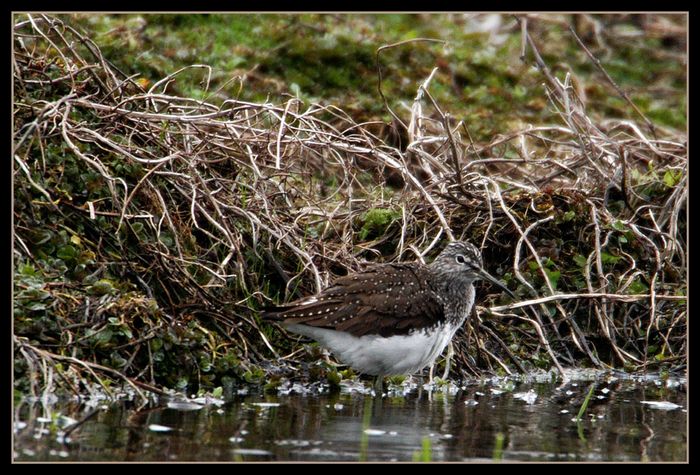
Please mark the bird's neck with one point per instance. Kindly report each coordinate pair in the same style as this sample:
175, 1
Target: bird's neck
456, 290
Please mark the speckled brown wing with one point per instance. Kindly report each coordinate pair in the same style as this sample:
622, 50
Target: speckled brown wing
389, 299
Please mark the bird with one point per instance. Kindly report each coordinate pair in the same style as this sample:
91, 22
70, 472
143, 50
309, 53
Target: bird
393, 318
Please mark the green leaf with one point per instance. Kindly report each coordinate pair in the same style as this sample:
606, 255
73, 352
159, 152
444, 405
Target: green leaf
568, 216
580, 260
137, 227
35, 294
104, 336
34, 306
27, 270
553, 276
671, 179
254, 376
333, 378
638, 287
41, 236
205, 363
609, 258
156, 344
101, 287
117, 360
619, 225
166, 239
67, 253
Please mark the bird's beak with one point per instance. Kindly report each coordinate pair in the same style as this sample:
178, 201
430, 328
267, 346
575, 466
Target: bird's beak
486, 276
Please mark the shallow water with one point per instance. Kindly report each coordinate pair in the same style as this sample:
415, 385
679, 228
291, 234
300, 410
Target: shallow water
522, 419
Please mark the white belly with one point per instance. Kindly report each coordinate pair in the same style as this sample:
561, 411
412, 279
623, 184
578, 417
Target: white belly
378, 355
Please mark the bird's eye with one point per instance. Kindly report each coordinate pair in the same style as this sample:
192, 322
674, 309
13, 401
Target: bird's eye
460, 259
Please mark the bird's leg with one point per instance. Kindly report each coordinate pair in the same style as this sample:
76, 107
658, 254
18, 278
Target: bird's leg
448, 360
379, 384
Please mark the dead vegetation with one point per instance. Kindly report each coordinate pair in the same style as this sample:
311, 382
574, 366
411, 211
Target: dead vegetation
149, 228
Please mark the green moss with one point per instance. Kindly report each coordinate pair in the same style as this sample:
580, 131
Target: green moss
376, 221
331, 57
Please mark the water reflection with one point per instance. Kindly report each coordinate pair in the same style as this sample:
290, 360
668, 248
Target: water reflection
516, 420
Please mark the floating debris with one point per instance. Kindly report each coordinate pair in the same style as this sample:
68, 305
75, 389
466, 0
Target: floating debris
662, 405
353, 386
259, 452
296, 388
184, 406
298, 442
159, 428
529, 397
208, 401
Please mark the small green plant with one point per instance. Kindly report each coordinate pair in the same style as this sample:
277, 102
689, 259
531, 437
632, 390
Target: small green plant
333, 377
498, 446
366, 421
426, 452
584, 406
254, 376
272, 384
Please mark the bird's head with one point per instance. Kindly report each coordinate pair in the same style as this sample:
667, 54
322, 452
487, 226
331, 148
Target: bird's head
462, 261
